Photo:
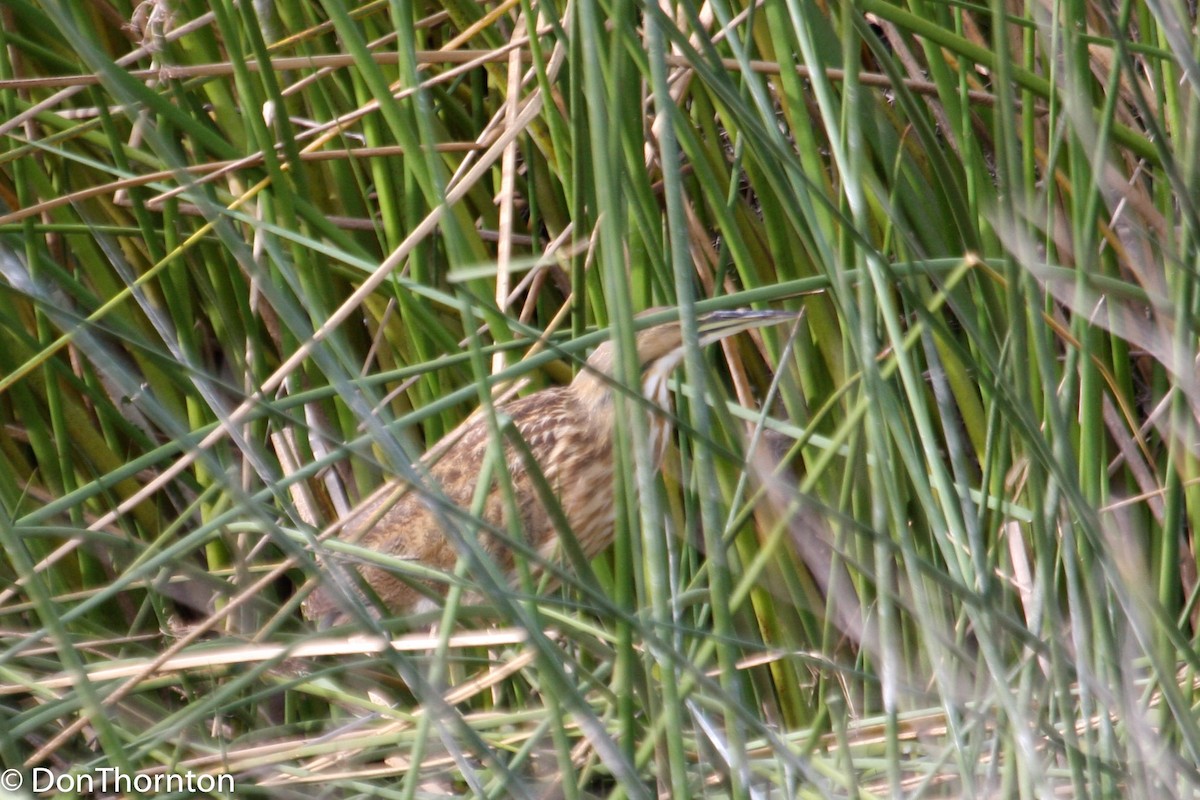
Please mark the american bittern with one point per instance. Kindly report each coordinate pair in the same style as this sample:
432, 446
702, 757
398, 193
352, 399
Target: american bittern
569, 431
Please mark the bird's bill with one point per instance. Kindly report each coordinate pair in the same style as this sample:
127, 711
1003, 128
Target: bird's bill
717, 325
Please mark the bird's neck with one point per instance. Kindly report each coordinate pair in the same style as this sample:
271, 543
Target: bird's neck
593, 385
594, 392
594, 395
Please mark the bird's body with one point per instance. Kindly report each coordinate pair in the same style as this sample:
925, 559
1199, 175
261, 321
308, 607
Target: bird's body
568, 429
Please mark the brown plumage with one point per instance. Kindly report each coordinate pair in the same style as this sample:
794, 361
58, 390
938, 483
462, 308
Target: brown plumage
568, 430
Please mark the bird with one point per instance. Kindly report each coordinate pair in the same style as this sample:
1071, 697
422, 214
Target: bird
568, 429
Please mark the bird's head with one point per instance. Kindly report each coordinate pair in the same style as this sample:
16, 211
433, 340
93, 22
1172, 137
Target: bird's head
660, 350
